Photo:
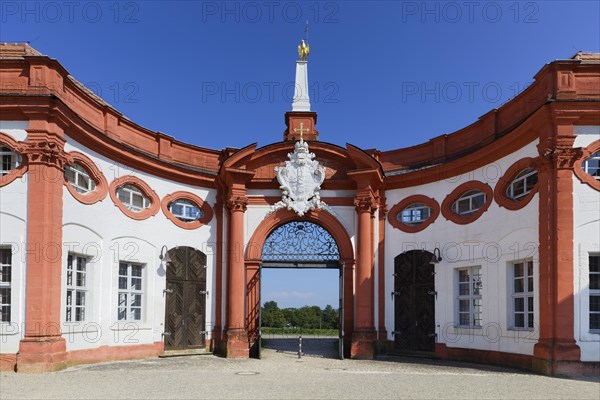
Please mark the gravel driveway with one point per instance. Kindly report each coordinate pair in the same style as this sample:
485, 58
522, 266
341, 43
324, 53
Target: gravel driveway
281, 375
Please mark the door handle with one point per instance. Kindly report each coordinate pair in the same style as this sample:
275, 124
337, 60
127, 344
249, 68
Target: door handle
166, 333
168, 291
395, 294
205, 292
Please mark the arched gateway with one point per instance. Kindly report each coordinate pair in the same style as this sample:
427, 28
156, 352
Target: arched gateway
282, 240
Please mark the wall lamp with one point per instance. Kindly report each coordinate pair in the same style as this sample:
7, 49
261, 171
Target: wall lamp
437, 256
164, 255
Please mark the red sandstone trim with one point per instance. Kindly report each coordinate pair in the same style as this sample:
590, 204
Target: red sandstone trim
115, 353
18, 147
143, 186
101, 184
520, 361
417, 198
203, 205
505, 181
578, 167
456, 193
8, 362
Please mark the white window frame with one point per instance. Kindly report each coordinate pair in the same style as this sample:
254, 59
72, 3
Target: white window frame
75, 312
527, 294
525, 177
586, 166
78, 173
474, 281
593, 293
413, 214
15, 160
131, 191
6, 286
129, 291
469, 196
186, 204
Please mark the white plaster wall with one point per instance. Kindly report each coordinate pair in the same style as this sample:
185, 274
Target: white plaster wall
13, 234
104, 234
586, 240
495, 240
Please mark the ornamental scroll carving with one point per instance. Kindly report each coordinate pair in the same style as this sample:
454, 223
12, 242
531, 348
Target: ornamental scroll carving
300, 181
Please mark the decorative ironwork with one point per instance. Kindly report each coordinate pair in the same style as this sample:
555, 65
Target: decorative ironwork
300, 242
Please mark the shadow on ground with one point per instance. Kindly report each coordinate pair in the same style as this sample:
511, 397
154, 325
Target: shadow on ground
311, 347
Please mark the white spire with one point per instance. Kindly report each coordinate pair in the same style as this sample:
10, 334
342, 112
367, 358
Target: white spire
301, 100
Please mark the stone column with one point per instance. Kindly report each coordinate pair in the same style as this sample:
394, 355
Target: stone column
43, 348
236, 336
363, 336
556, 352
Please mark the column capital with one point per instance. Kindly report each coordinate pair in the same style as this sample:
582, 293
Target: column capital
366, 203
237, 204
559, 152
47, 152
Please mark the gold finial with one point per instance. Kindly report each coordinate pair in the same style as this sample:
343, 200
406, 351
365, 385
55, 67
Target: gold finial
303, 50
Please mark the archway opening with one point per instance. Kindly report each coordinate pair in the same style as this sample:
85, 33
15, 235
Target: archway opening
301, 259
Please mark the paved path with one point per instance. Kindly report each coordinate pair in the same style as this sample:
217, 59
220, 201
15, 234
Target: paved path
281, 375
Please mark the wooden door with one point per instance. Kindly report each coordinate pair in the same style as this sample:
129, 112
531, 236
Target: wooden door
414, 302
185, 311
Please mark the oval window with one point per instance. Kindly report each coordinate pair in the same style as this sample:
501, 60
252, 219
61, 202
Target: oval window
185, 210
522, 184
10, 160
133, 198
79, 178
469, 202
414, 214
591, 166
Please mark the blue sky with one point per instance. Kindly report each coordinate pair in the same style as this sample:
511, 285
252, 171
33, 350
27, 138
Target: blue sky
384, 74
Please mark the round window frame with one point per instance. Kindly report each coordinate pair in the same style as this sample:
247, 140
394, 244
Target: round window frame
417, 198
203, 205
450, 215
101, 189
19, 148
583, 176
146, 190
506, 180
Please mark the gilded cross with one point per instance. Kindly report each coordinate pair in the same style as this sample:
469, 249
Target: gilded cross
301, 130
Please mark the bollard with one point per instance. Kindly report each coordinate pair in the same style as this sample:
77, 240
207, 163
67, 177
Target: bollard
299, 346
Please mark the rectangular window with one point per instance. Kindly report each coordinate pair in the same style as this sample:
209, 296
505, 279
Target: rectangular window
594, 292
129, 302
522, 297
76, 288
469, 297
5, 283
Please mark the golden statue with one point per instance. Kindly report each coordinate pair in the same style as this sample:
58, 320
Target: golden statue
303, 50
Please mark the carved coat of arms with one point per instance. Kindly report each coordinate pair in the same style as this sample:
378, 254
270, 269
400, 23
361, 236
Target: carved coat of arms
300, 179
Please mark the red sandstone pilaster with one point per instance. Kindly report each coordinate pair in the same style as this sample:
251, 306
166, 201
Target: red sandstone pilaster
43, 348
556, 352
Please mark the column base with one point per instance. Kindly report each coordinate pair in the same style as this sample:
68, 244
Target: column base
44, 354
363, 344
557, 358
236, 344
217, 341
382, 345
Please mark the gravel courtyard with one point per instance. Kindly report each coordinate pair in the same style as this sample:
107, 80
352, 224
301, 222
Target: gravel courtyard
281, 375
